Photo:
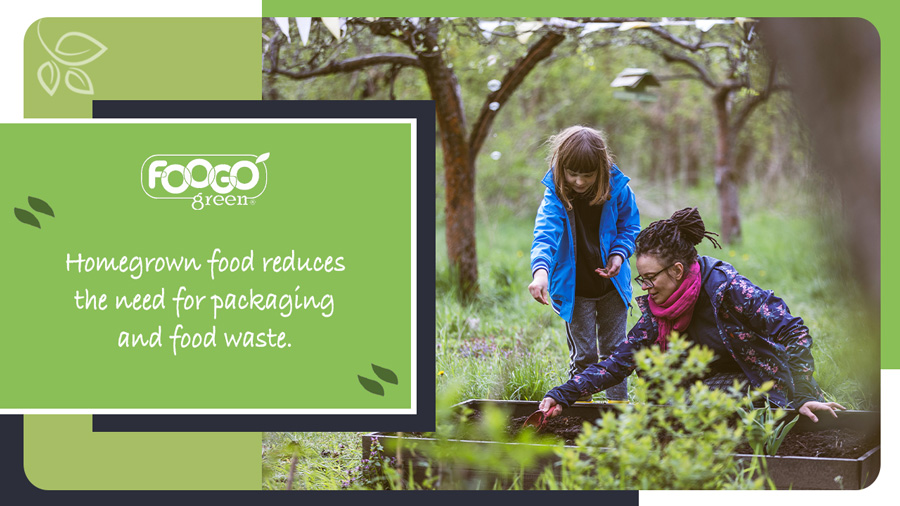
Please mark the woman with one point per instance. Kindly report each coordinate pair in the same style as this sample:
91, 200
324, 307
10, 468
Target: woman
751, 331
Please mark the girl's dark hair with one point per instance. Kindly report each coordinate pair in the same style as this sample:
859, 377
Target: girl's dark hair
675, 239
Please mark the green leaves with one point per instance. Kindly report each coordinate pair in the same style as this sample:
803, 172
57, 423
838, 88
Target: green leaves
763, 436
38, 205
26, 217
371, 385
780, 433
383, 374
687, 445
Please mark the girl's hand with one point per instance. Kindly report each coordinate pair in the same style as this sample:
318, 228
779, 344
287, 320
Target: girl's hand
538, 286
808, 408
612, 266
550, 407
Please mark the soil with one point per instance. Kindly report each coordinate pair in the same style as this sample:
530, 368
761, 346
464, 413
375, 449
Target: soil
833, 443
566, 428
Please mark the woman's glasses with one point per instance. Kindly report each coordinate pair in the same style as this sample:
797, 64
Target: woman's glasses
648, 279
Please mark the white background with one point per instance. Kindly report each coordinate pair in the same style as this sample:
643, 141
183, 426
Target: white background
17, 16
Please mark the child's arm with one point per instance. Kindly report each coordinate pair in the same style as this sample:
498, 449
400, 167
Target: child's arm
548, 227
628, 225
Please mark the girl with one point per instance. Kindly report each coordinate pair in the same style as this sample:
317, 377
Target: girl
583, 235
753, 335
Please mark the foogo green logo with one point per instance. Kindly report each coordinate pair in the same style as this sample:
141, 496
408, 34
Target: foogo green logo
206, 180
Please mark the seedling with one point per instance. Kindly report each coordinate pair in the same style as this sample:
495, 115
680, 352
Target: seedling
764, 436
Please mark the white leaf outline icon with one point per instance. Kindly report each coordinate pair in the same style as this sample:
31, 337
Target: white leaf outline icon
57, 52
263, 157
99, 45
54, 77
82, 76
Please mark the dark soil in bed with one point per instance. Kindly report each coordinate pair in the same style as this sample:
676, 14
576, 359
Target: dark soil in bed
833, 443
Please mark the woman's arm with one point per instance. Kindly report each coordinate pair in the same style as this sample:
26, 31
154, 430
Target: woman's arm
768, 316
610, 371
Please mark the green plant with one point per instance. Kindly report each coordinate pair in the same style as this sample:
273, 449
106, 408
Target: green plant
763, 435
686, 444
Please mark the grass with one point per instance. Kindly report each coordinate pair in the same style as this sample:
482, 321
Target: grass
325, 460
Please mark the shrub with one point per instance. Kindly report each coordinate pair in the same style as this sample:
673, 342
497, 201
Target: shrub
686, 445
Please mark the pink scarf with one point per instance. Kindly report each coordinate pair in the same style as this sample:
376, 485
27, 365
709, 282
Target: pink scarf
676, 312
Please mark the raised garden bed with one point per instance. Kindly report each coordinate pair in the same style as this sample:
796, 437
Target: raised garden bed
812, 457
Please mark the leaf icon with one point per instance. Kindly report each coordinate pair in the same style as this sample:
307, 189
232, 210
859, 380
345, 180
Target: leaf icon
371, 385
40, 206
385, 374
80, 45
48, 82
263, 157
82, 83
29, 219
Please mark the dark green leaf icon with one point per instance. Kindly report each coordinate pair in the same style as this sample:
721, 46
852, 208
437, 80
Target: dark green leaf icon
371, 385
385, 374
40, 206
26, 217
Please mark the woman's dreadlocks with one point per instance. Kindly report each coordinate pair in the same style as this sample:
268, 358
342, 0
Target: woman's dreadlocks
675, 239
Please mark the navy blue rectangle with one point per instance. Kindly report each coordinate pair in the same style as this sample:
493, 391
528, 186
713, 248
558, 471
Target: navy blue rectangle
423, 111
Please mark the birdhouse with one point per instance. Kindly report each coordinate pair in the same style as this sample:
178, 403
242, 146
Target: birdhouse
632, 84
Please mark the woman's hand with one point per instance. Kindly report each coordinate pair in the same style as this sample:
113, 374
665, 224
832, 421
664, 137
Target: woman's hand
550, 407
613, 264
808, 408
538, 286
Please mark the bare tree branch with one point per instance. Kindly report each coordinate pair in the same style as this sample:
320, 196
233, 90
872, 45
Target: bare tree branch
674, 39
513, 78
702, 72
353, 64
678, 77
741, 116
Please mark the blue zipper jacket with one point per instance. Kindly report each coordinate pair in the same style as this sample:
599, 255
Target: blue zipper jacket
756, 327
553, 248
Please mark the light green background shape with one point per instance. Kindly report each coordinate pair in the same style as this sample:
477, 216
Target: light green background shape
145, 59
322, 200
61, 453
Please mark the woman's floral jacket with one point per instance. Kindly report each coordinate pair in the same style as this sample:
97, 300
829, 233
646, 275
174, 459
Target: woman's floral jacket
766, 341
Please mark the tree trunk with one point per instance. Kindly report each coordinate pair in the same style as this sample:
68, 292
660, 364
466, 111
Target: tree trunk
692, 156
836, 67
726, 181
459, 173
673, 148
779, 149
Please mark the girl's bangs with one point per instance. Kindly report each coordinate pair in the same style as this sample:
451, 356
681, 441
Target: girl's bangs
582, 161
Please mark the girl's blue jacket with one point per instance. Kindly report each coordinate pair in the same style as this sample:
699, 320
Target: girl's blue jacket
553, 248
